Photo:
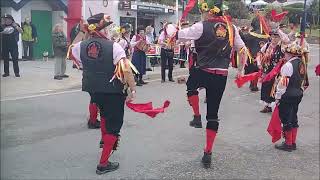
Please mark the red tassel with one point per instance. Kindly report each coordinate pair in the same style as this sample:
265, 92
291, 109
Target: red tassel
274, 127
188, 8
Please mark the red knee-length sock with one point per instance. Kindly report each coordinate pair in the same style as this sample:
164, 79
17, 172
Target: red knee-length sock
288, 137
211, 135
109, 141
294, 134
194, 103
93, 110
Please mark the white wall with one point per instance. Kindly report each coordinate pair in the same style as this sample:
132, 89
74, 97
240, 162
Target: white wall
57, 18
34, 5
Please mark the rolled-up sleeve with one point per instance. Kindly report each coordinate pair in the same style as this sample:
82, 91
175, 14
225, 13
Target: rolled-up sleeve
76, 53
118, 53
191, 33
238, 42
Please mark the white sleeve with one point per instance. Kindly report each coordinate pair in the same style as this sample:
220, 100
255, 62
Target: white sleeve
283, 36
264, 48
238, 42
286, 72
118, 53
122, 43
193, 33
76, 53
133, 41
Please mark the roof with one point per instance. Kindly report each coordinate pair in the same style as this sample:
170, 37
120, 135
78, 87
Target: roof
18, 5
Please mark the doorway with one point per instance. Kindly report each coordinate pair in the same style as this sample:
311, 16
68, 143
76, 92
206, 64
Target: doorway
42, 20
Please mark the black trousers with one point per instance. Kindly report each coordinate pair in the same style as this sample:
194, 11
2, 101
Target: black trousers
288, 109
13, 50
214, 85
266, 88
166, 58
28, 47
112, 109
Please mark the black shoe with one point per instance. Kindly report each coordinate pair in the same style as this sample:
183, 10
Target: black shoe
64, 76
162, 81
284, 147
17, 75
101, 143
142, 82
111, 166
5, 75
138, 84
171, 80
57, 77
148, 69
95, 125
196, 122
266, 109
294, 146
254, 89
206, 160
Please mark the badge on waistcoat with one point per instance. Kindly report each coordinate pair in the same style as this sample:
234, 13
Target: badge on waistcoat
94, 50
220, 31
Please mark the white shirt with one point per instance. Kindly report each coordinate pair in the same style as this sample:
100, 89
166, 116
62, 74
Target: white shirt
195, 32
118, 53
285, 72
123, 43
134, 41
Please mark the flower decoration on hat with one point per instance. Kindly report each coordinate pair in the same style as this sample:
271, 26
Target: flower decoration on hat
208, 6
294, 48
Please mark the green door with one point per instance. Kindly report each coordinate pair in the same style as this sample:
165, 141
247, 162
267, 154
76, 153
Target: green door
43, 22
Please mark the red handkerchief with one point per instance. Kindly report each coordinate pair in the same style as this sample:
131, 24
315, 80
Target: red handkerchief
241, 80
147, 108
274, 128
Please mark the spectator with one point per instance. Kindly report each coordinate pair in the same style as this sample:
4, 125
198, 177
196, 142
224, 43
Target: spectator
150, 38
10, 37
60, 48
29, 37
138, 42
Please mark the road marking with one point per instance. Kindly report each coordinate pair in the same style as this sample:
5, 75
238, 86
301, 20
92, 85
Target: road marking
57, 93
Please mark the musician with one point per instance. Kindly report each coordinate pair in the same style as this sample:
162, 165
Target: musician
166, 54
289, 94
139, 42
100, 58
214, 38
10, 37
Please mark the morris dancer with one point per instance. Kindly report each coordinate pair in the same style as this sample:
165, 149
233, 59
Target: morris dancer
268, 57
124, 40
289, 94
101, 58
214, 38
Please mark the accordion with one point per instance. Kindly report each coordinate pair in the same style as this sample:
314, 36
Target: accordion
143, 46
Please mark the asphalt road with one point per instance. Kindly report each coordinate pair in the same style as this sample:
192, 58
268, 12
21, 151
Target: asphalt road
45, 137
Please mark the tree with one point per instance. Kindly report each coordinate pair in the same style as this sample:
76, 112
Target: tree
313, 10
237, 9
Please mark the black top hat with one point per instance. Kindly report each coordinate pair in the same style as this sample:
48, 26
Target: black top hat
95, 19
